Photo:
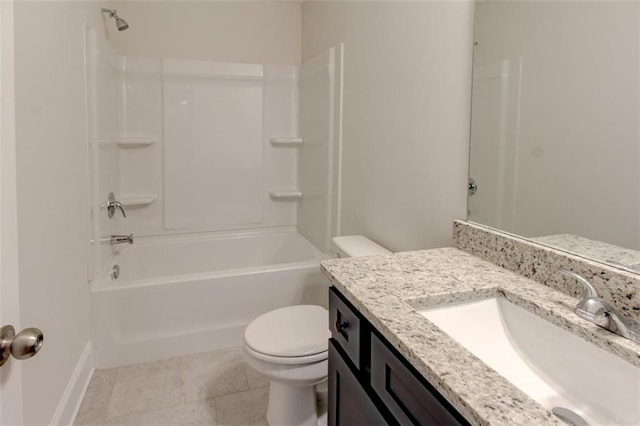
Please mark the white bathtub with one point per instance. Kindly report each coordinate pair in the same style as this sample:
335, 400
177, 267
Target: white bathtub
184, 295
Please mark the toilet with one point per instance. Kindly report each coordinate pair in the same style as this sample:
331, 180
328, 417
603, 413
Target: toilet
290, 346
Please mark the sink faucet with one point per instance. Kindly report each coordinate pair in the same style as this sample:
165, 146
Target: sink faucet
594, 309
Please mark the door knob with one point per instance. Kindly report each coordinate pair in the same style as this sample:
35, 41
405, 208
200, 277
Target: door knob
23, 345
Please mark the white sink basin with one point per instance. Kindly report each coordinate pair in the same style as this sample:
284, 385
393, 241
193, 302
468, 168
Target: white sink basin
551, 365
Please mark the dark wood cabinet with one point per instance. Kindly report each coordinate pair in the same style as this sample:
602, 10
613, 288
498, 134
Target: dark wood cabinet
370, 383
349, 402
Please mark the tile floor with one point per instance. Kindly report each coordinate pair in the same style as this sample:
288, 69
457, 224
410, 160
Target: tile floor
213, 388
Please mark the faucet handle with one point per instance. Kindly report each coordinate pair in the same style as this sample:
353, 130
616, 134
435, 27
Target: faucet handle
591, 306
589, 290
112, 205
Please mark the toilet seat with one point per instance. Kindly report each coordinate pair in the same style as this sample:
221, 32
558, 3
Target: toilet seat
291, 335
284, 360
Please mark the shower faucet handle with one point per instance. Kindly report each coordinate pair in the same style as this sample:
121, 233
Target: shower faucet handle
112, 205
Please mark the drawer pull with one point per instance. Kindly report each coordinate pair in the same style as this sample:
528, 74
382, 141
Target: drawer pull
341, 326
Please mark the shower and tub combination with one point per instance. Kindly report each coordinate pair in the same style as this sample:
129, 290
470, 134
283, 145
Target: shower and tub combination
228, 174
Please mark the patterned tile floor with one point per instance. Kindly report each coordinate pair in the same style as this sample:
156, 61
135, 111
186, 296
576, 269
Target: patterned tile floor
213, 388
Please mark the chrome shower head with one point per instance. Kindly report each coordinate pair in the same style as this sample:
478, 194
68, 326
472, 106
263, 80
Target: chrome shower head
121, 24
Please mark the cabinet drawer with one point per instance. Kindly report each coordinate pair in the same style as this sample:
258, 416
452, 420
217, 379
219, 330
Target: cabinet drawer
409, 400
345, 326
349, 404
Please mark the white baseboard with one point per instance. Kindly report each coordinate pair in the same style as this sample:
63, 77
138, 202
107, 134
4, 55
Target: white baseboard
72, 398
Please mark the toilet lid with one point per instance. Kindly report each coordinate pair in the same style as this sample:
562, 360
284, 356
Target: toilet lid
294, 331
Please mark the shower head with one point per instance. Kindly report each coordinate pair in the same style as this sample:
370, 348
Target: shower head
121, 24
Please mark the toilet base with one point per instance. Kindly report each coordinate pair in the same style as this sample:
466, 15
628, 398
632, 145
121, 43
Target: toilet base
291, 406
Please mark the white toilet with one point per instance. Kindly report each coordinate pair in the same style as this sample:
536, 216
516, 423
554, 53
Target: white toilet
290, 347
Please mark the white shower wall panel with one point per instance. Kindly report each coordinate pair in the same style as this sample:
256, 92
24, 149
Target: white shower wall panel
140, 171
141, 168
211, 166
102, 79
280, 120
212, 147
319, 157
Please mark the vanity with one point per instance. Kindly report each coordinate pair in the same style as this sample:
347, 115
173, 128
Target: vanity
389, 364
370, 382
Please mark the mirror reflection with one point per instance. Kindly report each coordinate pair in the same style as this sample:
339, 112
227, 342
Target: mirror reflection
554, 132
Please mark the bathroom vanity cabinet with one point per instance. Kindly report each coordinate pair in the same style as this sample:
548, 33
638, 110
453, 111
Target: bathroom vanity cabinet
370, 383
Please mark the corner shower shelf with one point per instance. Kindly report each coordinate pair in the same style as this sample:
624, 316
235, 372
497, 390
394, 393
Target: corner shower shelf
135, 142
285, 195
295, 142
141, 200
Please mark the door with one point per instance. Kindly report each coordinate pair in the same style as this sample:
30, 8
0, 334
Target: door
349, 404
10, 372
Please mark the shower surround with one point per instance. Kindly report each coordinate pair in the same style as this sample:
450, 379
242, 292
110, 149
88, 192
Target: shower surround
228, 173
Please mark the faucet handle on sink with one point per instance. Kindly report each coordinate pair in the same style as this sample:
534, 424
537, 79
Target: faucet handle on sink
591, 307
594, 309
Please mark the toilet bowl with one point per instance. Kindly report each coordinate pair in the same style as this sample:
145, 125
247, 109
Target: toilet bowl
289, 346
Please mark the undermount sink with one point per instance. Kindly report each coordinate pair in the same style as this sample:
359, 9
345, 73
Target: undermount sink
554, 367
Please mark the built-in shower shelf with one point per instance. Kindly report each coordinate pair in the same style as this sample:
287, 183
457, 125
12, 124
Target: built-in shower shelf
135, 142
286, 141
140, 200
285, 195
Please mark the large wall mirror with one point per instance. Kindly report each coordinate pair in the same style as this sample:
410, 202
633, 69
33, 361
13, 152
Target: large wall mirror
555, 150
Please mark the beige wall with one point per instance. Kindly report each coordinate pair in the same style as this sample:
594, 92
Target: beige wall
227, 31
407, 77
52, 186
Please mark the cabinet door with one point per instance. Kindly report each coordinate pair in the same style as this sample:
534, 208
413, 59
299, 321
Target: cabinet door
409, 400
349, 404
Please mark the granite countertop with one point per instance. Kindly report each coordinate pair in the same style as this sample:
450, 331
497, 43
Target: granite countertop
389, 291
581, 246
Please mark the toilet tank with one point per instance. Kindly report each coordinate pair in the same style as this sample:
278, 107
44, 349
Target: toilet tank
356, 246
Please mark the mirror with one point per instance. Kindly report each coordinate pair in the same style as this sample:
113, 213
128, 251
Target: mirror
555, 125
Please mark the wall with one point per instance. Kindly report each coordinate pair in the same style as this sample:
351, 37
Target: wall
261, 32
577, 140
407, 76
52, 191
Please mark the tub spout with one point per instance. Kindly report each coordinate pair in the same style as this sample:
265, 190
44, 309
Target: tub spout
121, 239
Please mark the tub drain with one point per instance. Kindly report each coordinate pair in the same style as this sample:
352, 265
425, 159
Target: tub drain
569, 417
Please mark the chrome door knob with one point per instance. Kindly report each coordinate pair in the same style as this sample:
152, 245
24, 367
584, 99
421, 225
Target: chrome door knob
23, 345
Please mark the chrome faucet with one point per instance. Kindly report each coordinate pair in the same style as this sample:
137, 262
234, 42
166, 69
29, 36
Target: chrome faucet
594, 309
112, 205
121, 239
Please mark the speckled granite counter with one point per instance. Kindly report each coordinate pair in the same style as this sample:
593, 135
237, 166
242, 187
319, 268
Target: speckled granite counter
604, 252
388, 290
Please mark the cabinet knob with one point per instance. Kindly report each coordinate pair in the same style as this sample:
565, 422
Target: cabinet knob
341, 326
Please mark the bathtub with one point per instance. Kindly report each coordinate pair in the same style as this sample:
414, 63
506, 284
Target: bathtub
183, 295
